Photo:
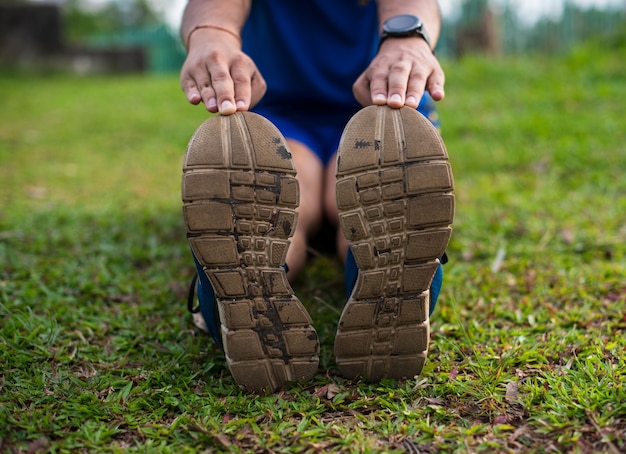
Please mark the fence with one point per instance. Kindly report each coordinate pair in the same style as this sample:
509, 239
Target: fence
493, 27
164, 52
505, 27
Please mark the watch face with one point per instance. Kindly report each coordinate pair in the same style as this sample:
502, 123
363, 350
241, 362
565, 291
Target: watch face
402, 23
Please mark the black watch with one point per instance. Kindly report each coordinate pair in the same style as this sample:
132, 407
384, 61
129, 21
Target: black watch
403, 26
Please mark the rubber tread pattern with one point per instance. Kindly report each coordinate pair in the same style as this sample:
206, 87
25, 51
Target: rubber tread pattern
240, 197
394, 193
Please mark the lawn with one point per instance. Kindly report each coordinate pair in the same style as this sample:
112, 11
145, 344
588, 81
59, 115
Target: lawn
528, 353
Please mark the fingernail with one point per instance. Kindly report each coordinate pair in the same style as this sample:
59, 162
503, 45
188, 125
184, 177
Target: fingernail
212, 103
411, 101
395, 98
437, 93
380, 98
241, 104
226, 106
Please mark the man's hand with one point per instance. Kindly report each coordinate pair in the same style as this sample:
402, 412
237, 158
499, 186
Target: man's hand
217, 73
398, 76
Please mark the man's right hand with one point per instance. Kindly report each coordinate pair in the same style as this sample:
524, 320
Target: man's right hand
217, 73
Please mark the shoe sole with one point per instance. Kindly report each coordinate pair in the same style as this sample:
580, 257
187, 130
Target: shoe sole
239, 205
394, 187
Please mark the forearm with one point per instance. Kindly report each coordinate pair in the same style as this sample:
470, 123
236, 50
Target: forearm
227, 14
427, 10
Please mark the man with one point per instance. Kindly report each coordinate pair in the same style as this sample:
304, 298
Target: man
307, 69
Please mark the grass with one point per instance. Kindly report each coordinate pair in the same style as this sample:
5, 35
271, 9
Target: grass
97, 352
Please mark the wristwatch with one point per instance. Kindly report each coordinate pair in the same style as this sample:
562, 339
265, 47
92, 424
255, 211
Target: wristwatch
403, 26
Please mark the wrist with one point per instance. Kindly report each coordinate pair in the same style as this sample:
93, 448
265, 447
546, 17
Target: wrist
413, 41
217, 28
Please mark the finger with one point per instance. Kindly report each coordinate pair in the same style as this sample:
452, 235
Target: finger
242, 86
190, 89
415, 89
259, 87
208, 96
436, 82
223, 86
397, 84
361, 91
378, 86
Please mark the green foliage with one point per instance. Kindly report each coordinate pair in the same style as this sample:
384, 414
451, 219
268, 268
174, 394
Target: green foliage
472, 11
112, 17
577, 24
98, 353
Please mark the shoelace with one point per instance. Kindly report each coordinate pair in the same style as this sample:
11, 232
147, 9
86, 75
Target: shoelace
195, 308
191, 296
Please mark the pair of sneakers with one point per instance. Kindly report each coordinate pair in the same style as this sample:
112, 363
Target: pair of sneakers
240, 196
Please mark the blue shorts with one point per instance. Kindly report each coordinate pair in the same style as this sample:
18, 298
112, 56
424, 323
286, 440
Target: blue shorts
320, 130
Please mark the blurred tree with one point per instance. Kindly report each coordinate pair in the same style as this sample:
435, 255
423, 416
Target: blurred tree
473, 11
576, 25
479, 29
114, 16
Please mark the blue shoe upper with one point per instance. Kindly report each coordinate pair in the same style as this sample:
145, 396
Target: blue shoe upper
208, 306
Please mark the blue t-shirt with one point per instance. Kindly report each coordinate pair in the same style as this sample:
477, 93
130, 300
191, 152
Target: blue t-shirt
311, 52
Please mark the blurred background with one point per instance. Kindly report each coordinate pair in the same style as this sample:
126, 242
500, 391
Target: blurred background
121, 36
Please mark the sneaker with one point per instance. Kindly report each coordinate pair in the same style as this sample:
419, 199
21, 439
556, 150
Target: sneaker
239, 205
394, 187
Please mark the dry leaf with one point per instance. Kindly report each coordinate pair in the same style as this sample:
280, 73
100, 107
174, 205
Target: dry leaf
512, 390
223, 440
500, 419
454, 373
434, 401
328, 391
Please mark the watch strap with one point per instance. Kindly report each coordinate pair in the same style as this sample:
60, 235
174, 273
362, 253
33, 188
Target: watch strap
419, 31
